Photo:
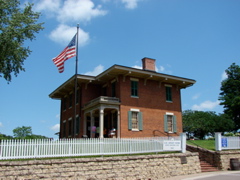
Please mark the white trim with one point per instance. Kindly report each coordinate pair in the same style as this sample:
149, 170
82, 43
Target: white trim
134, 79
64, 121
70, 118
135, 110
114, 80
168, 113
168, 85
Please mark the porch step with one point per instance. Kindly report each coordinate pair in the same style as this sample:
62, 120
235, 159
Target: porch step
206, 167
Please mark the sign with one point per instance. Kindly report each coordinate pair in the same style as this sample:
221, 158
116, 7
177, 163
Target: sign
224, 142
172, 145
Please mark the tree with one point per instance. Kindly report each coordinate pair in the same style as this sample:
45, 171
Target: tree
200, 124
230, 94
22, 132
16, 26
3, 136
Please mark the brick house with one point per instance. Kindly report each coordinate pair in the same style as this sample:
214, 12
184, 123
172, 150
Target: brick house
136, 102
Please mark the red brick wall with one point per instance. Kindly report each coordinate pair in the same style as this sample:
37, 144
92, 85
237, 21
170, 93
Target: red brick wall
151, 94
153, 120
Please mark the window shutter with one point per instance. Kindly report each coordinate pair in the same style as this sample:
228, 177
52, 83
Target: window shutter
165, 123
129, 120
140, 121
174, 124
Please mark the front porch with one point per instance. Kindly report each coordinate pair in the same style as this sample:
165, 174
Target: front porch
100, 116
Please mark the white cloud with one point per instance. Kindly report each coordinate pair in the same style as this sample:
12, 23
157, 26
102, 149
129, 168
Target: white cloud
48, 6
162, 69
137, 67
206, 105
81, 10
97, 70
130, 4
64, 33
196, 96
70, 10
56, 128
224, 76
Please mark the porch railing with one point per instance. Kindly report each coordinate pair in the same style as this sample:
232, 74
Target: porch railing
21, 149
103, 99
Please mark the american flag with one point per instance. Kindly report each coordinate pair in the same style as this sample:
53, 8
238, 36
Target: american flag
67, 53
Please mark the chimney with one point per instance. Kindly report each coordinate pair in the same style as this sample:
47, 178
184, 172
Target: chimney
148, 64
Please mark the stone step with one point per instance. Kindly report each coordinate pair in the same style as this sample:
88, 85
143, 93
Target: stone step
206, 167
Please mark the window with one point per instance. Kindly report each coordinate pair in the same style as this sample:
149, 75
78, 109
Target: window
168, 93
104, 91
69, 126
70, 101
114, 89
77, 97
134, 88
64, 105
135, 120
170, 123
77, 124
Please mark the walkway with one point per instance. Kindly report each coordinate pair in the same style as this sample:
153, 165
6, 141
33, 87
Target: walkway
219, 175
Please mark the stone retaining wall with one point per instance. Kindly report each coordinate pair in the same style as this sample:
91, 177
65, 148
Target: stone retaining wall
219, 159
120, 167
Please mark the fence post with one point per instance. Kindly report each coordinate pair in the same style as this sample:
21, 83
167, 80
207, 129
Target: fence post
218, 137
183, 144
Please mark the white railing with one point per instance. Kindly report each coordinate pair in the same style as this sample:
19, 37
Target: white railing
226, 142
21, 149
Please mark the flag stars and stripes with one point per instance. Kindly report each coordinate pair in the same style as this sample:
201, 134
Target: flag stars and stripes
67, 53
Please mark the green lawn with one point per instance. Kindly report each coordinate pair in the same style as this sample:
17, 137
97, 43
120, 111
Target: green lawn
206, 144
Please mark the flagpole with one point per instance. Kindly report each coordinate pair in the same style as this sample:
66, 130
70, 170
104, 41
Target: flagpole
75, 86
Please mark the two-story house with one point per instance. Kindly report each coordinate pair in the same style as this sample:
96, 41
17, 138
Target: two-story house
136, 102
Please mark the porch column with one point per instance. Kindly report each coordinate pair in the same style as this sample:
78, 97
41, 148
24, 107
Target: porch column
118, 124
101, 122
92, 123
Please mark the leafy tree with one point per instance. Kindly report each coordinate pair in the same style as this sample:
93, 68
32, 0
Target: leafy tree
34, 136
200, 124
230, 94
16, 26
3, 136
22, 132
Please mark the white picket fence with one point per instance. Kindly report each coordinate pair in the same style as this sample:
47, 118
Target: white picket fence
21, 149
226, 142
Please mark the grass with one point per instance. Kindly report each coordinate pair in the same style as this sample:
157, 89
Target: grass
206, 144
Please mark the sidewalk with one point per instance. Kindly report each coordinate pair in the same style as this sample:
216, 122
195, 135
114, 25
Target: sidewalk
218, 175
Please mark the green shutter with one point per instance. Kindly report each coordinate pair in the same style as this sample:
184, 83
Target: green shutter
129, 120
174, 124
140, 121
165, 123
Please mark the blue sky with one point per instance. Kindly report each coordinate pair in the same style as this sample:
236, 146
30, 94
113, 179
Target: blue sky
196, 39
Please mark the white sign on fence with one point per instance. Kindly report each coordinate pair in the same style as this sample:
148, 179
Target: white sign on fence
172, 145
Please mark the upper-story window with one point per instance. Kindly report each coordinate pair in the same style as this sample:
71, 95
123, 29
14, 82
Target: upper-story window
114, 89
64, 103
104, 90
70, 101
168, 93
134, 87
77, 96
